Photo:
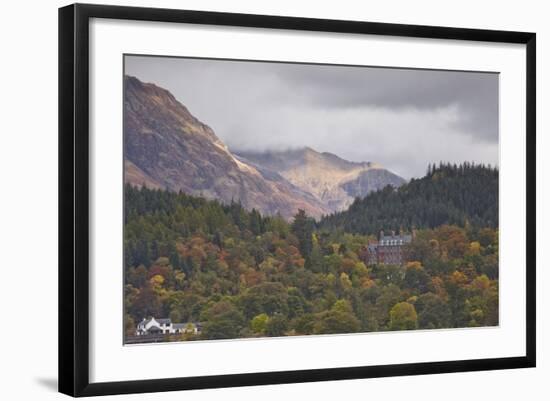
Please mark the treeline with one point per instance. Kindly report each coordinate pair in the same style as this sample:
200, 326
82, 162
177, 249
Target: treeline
241, 274
448, 194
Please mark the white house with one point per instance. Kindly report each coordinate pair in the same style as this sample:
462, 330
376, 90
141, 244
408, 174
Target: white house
165, 326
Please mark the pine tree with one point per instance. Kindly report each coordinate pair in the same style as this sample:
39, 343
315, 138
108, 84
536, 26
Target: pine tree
303, 227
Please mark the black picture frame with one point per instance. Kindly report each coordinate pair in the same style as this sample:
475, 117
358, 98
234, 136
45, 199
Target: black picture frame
74, 198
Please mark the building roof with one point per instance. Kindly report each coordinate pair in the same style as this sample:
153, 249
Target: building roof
143, 324
406, 238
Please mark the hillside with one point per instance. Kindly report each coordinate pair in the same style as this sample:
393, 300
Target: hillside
166, 147
448, 194
242, 274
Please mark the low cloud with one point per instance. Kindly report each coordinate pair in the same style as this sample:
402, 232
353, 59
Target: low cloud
403, 119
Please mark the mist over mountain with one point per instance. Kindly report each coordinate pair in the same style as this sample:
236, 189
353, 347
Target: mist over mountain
334, 181
166, 147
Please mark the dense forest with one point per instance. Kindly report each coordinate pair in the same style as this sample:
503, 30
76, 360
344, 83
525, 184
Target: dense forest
448, 194
241, 274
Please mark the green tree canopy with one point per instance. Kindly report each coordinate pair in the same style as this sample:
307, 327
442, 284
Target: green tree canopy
403, 317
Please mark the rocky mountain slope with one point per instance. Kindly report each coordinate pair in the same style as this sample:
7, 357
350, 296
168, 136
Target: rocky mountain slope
334, 181
165, 146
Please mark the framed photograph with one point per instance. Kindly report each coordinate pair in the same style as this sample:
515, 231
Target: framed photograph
250, 199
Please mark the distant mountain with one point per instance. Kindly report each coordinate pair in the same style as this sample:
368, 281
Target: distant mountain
165, 146
332, 180
462, 195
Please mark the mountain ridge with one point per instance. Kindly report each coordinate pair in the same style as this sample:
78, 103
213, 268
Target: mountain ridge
332, 179
166, 147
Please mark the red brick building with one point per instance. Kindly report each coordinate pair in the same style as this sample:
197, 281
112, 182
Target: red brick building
389, 249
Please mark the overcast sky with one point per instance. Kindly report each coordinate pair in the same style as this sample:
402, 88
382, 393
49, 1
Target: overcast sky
403, 119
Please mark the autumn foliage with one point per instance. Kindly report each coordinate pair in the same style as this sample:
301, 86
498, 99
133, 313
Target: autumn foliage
241, 274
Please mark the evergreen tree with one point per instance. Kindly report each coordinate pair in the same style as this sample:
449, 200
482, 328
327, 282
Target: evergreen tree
303, 227
448, 194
